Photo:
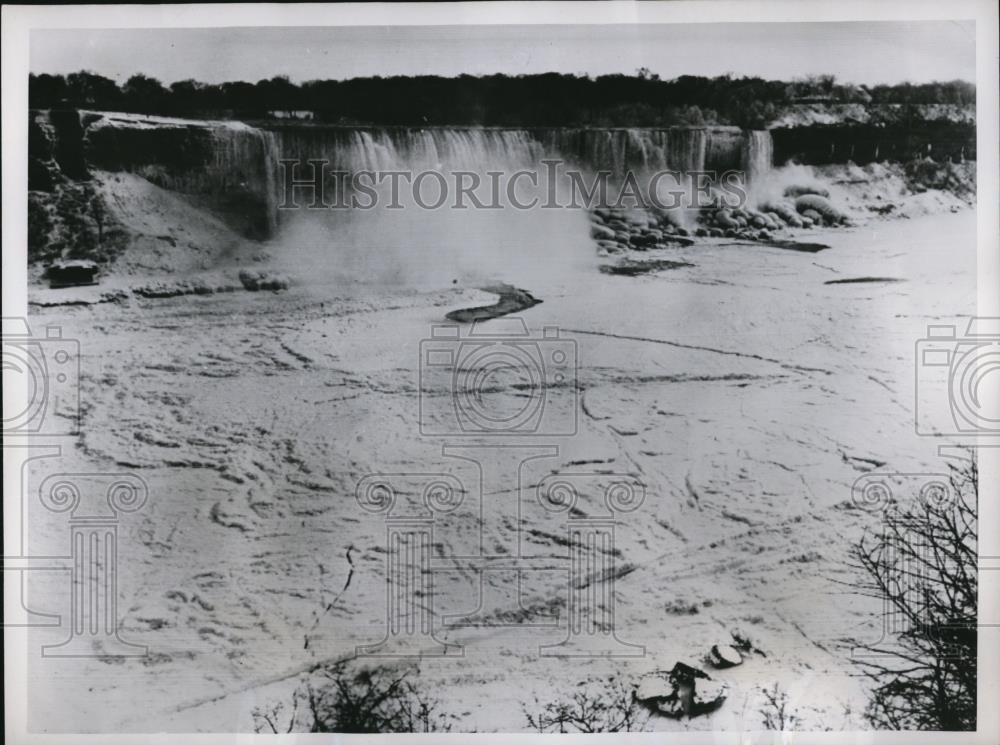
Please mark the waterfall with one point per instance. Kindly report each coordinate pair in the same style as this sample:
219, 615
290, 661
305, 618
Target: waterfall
687, 149
418, 246
396, 149
620, 150
235, 169
758, 156
617, 151
270, 145
388, 149
244, 166
414, 240
246, 160
723, 149
614, 150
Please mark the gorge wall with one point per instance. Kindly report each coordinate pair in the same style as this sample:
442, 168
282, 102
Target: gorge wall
232, 168
229, 166
821, 144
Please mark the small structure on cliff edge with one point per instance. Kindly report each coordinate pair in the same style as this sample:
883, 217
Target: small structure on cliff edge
72, 273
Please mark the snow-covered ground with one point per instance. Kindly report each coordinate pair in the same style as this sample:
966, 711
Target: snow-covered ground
745, 392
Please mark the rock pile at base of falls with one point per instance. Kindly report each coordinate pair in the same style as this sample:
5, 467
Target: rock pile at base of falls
617, 230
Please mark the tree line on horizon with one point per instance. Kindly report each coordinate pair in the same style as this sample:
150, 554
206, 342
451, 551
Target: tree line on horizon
547, 99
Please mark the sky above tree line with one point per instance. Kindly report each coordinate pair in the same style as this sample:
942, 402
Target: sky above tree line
857, 52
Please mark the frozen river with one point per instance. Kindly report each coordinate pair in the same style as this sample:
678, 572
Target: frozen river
745, 394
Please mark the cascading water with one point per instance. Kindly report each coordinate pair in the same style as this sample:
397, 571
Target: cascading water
613, 150
471, 240
243, 168
353, 150
240, 173
407, 237
620, 150
758, 157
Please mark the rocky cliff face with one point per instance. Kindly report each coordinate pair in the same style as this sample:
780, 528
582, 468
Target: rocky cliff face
231, 170
823, 144
227, 167
613, 149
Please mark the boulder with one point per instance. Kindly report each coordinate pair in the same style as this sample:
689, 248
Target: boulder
820, 205
708, 696
723, 656
672, 707
684, 690
724, 219
601, 231
644, 241
769, 222
785, 211
654, 686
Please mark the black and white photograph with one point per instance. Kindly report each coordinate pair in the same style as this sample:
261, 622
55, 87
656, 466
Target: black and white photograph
470, 368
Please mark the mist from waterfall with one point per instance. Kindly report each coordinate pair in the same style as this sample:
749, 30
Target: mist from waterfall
404, 243
400, 242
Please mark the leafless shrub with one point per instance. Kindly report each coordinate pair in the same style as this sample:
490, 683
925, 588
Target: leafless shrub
271, 718
924, 564
777, 713
370, 700
608, 706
